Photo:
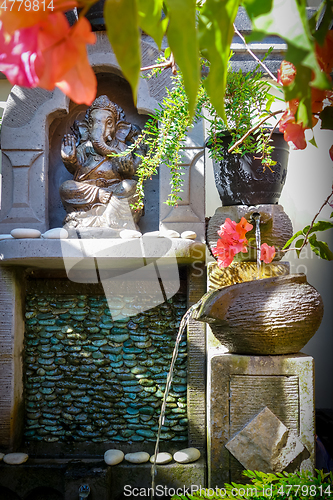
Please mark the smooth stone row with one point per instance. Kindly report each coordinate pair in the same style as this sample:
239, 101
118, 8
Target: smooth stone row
166, 233
57, 233
113, 457
22, 232
79, 360
162, 458
140, 457
186, 456
15, 458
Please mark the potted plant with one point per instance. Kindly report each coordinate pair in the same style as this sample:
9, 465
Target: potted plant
249, 157
244, 136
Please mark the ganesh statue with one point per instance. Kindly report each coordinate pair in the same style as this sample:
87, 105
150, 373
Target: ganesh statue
102, 192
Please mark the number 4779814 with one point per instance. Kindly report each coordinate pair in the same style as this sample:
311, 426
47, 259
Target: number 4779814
27, 5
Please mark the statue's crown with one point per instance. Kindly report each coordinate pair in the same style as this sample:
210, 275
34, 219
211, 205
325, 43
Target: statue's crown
103, 102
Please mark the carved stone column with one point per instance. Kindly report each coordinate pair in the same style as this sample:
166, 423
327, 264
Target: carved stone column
11, 349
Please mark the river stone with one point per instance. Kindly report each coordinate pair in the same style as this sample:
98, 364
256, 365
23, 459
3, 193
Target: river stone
187, 456
170, 233
129, 233
57, 233
140, 457
1, 456
188, 235
25, 233
113, 457
162, 458
15, 458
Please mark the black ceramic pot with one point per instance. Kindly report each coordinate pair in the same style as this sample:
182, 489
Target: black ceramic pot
242, 180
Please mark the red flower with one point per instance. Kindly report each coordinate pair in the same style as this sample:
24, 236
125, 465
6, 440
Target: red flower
243, 227
324, 53
267, 253
65, 62
232, 241
286, 74
225, 254
50, 54
18, 55
16, 17
294, 132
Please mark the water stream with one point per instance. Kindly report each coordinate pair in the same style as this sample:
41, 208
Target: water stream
182, 327
256, 217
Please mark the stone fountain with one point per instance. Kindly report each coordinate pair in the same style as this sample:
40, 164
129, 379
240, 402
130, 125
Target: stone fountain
84, 350
260, 388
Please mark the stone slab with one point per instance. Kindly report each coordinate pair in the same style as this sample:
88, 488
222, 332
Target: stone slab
49, 254
239, 388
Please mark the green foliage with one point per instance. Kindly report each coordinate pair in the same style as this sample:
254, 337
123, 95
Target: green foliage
164, 134
280, 486
183, 41
215, 30
307, 234
246, 103
209, 25
121, 18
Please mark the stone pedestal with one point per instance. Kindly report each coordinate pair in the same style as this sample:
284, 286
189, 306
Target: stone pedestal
260, 415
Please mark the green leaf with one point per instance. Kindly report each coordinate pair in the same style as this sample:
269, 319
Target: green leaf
321, 225
313, 141
183, 41
296, 235
121, 20
331, 215
150, 19
320, 248
299, 243
320, 34
326, 116
301, 48
167, 52
215, 35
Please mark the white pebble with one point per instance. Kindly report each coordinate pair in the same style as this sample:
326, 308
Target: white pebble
188, 235
113, 457
170, 233
57, 233
187, 455
162, 458
140, 457
1, 456
6, 237
15, 458
129, 233
23, 232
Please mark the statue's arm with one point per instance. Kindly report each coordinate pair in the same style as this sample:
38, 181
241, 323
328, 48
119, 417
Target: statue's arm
68, 153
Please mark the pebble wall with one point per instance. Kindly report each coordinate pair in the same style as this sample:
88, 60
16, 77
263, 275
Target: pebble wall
89, 377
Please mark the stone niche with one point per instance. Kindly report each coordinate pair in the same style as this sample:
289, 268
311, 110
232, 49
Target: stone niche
34, 123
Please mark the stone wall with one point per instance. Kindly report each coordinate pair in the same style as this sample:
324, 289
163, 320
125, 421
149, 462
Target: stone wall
91, 377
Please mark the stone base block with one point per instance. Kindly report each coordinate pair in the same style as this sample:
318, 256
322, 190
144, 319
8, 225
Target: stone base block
260, 415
